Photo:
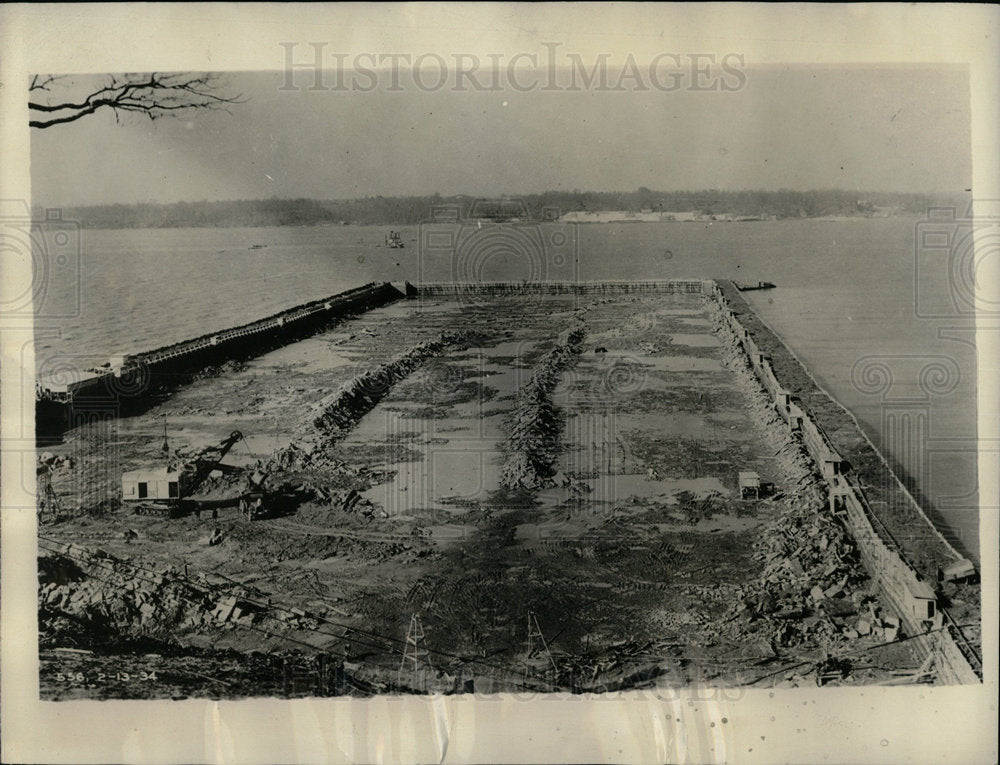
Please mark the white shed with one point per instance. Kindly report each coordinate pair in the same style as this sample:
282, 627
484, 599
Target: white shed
922, 602
156, 484
749, 485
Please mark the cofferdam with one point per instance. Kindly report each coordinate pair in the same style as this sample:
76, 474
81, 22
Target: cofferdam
580, 487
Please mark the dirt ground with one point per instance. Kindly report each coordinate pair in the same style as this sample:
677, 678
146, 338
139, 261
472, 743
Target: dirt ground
526, 493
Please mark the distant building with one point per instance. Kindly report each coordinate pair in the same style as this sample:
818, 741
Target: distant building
647, 215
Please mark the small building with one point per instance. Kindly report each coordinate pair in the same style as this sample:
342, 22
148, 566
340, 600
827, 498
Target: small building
832, 465
796, 417
153, 484
749, 485
784, 400
922, 602
961, 570
121, 363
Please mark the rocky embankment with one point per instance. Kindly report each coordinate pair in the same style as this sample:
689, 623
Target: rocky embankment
909, 529
812, 603
89, 597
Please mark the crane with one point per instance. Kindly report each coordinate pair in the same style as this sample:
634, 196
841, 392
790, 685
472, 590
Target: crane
164, 491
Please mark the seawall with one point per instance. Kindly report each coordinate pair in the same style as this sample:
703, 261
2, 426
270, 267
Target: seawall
128, 382
856, 477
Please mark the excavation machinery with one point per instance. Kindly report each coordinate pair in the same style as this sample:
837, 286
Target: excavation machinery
167, 491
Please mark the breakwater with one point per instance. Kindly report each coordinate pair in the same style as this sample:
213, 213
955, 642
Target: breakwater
885, 558
126, 382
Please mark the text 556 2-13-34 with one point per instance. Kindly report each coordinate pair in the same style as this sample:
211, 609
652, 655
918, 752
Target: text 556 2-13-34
105, 677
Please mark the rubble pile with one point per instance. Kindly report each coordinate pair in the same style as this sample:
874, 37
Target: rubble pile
340, 412
812, 590
53, 461
92, 599
534, 425
93, 593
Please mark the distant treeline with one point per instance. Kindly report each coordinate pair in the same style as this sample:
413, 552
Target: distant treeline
411, 210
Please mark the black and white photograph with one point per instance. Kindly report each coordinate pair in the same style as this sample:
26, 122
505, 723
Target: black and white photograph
503, 382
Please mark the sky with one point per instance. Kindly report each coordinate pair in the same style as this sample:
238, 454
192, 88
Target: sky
876, 128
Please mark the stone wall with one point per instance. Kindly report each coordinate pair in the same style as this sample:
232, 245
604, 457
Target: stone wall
896, 579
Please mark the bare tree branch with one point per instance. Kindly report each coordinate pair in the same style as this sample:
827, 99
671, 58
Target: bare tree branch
39, 82
154, 95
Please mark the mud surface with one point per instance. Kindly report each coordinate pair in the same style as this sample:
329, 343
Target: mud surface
531, 493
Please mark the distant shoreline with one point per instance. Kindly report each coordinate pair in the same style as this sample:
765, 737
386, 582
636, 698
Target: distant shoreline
581, 207
106, 226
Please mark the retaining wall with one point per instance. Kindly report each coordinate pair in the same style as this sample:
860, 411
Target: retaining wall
956, 661
281, 326
128, 379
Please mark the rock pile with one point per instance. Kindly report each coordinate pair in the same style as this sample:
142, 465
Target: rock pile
338, 413
812, 591
341, 411
53, 461
90, 598
107, 597
534, 424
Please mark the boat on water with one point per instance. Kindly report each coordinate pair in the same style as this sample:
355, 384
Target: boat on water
746, 287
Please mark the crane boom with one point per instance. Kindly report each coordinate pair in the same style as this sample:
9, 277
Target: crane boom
204, 467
